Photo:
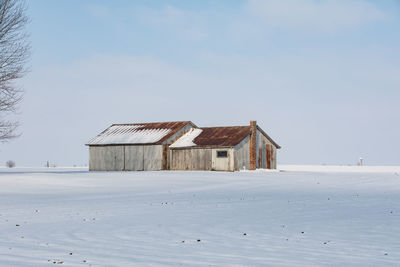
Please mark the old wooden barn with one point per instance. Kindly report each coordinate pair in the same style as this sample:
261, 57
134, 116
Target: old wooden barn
181, 146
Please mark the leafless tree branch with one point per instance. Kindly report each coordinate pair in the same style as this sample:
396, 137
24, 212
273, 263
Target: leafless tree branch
14, 53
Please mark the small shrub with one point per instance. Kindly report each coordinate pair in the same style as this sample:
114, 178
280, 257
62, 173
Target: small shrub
10, 164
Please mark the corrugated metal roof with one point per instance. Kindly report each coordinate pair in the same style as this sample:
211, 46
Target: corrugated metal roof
221, 136
138, 133
217, 137
187, 139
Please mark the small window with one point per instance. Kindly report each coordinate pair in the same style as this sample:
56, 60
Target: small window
222, 154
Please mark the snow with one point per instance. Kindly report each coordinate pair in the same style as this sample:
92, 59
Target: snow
343, 168
299, 216
129, 134
186, 140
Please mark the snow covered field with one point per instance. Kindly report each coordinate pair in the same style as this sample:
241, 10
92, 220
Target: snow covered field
301, 215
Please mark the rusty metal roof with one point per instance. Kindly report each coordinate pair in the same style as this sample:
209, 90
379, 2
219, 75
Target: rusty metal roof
217, 137
158, 132
138, 133
221, 136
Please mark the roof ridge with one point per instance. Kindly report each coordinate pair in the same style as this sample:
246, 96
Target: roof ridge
224, 126
142, 123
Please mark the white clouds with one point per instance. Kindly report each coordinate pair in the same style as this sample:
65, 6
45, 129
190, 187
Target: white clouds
99, 11
254, 18
273, 73
320, 96
165, 17
187, 24
306, 15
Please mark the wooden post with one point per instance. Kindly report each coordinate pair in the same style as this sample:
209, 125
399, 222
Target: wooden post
165, 158
253, 145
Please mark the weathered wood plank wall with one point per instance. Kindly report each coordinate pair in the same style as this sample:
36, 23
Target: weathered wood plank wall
125, 158
266, 152
106, 158
242, 156
201, 159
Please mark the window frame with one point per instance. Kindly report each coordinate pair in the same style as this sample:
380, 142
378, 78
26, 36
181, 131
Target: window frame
224, 152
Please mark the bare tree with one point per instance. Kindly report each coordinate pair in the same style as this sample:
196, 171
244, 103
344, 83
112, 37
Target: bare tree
14, 53
10, 164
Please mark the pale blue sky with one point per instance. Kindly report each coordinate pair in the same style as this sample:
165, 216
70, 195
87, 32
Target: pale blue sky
321, 77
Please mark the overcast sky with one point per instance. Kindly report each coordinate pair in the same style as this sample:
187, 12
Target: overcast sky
322, 78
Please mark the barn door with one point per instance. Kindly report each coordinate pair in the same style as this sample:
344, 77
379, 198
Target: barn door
221, 159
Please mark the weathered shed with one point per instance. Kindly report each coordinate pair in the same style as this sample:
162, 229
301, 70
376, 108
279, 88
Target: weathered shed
135, 147
181, 146
224, 149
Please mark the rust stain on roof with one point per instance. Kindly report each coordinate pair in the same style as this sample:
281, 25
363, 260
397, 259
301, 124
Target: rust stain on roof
156, 133
174, 126
146, 133
222, 136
